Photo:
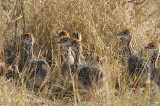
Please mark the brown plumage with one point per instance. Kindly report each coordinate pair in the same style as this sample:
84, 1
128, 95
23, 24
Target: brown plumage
62, 34
124, 49
153, 68
37, 69
76, 35
137, 67
67, 66
89, 77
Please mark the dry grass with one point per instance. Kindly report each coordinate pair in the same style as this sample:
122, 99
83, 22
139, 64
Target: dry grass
99, 21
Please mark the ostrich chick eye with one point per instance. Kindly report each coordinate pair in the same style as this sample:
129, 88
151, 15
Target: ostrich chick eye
125, 32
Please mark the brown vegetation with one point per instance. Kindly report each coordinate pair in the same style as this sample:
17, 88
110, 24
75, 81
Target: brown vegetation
99, 21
